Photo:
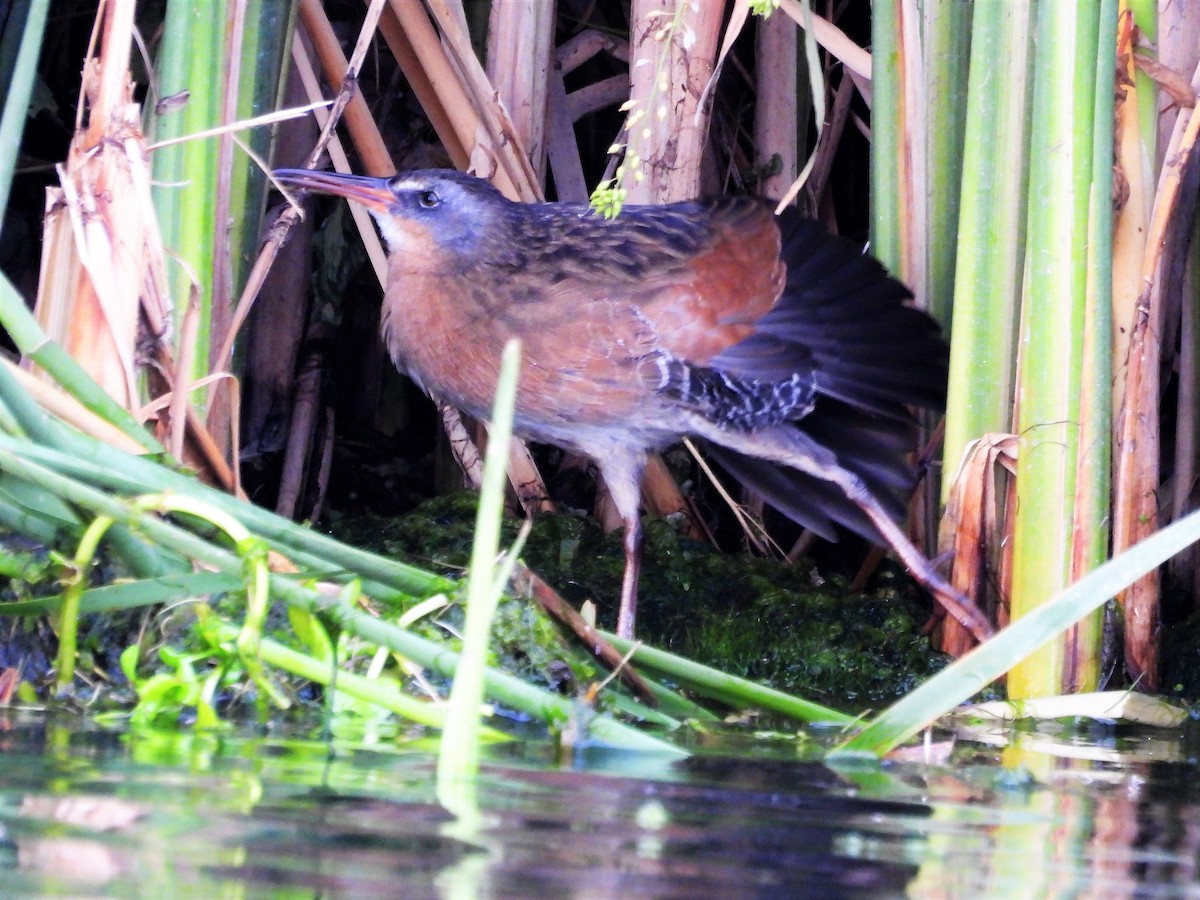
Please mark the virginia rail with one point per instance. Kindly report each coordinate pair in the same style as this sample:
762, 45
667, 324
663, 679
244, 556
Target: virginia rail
786, 349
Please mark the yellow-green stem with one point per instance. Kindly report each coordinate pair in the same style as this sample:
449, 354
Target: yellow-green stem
1053, 321
76, 581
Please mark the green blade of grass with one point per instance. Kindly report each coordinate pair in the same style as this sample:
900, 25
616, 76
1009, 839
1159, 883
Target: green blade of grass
458, 757
959, 681
738, 692
131, 594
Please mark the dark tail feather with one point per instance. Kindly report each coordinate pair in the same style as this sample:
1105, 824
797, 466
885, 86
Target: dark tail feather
868, 345
848, 320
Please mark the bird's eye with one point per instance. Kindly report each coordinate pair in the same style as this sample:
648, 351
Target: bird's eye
429, 199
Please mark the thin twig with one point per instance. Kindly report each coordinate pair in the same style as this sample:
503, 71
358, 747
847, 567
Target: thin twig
350, 82
280, 115
526, 581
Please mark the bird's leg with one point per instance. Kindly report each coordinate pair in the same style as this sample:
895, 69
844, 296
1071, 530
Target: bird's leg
622, 471
629, 583
954, 602
792, 447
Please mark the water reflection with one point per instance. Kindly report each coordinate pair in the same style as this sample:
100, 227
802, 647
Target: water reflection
88, 813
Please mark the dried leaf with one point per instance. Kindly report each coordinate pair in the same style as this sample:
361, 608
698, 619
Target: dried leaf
1174, 83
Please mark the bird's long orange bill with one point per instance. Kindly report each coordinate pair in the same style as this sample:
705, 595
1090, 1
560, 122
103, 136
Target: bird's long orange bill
373, 193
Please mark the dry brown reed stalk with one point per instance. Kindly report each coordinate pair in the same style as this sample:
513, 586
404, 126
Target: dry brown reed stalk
498, 145
467, 107
673, 51
103, 289
1136, 513
103, 259
424, 87
519, 61
1132, 215
977, 526
776, 114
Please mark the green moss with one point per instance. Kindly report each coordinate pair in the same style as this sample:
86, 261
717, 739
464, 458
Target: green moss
772, 622
27, 570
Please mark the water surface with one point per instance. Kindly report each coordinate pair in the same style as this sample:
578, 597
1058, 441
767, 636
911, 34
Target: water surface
1096, 812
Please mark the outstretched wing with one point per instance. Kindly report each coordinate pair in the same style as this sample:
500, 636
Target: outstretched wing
832, 346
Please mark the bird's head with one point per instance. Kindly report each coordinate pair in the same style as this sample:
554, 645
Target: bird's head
431, 217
